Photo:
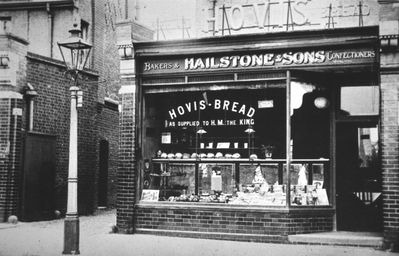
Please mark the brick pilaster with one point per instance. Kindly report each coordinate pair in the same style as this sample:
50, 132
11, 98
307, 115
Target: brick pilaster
127, 167
390, 157
389, 78
127, 163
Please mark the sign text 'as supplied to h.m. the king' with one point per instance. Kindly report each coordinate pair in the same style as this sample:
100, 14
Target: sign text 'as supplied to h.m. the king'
259, 60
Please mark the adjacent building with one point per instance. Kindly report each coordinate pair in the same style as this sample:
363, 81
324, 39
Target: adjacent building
35, 103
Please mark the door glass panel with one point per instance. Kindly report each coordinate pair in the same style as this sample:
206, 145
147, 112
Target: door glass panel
368, 147
369, 191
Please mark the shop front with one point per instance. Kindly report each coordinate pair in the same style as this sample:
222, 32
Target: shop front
258, 137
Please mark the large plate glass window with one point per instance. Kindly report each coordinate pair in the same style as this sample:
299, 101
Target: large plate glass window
310, 144
211, 146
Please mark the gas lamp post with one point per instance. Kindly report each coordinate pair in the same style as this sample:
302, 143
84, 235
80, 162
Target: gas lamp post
75, 52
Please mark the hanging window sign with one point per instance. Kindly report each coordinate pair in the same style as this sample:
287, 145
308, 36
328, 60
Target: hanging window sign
262, 60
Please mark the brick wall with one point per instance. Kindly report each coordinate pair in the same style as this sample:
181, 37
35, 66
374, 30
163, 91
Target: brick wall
109, 131
4, 136
110, 72
98, 26
11, 104
10, 155
104, 56
310, 221
229, 223
51, 116
389, 79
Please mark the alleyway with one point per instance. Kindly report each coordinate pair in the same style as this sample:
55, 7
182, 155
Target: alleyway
46, 238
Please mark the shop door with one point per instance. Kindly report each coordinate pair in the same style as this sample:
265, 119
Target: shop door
358, 182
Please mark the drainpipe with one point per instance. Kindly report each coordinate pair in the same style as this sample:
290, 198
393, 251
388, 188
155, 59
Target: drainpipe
30, 93
50, 28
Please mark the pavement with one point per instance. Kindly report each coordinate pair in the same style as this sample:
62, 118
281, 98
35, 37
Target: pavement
46, 238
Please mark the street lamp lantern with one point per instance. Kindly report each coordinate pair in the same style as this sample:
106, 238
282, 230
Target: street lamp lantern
75, 53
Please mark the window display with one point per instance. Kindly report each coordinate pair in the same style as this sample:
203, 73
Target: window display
173, 180
307, 185
245, 183
259, 185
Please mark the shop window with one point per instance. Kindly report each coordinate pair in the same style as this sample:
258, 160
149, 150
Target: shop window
359, 101
229, 147
216, 177
261, 184
308, 184
310, 140
310, 121
207, 146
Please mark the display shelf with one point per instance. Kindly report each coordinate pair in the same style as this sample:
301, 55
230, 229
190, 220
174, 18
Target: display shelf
168, 174
232, 149
238, 160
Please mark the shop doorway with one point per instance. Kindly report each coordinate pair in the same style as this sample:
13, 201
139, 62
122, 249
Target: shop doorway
358, 178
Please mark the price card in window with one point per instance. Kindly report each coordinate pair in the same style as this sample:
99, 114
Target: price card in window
150, 195
166, 138
223, 145
216, 182
265, 104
